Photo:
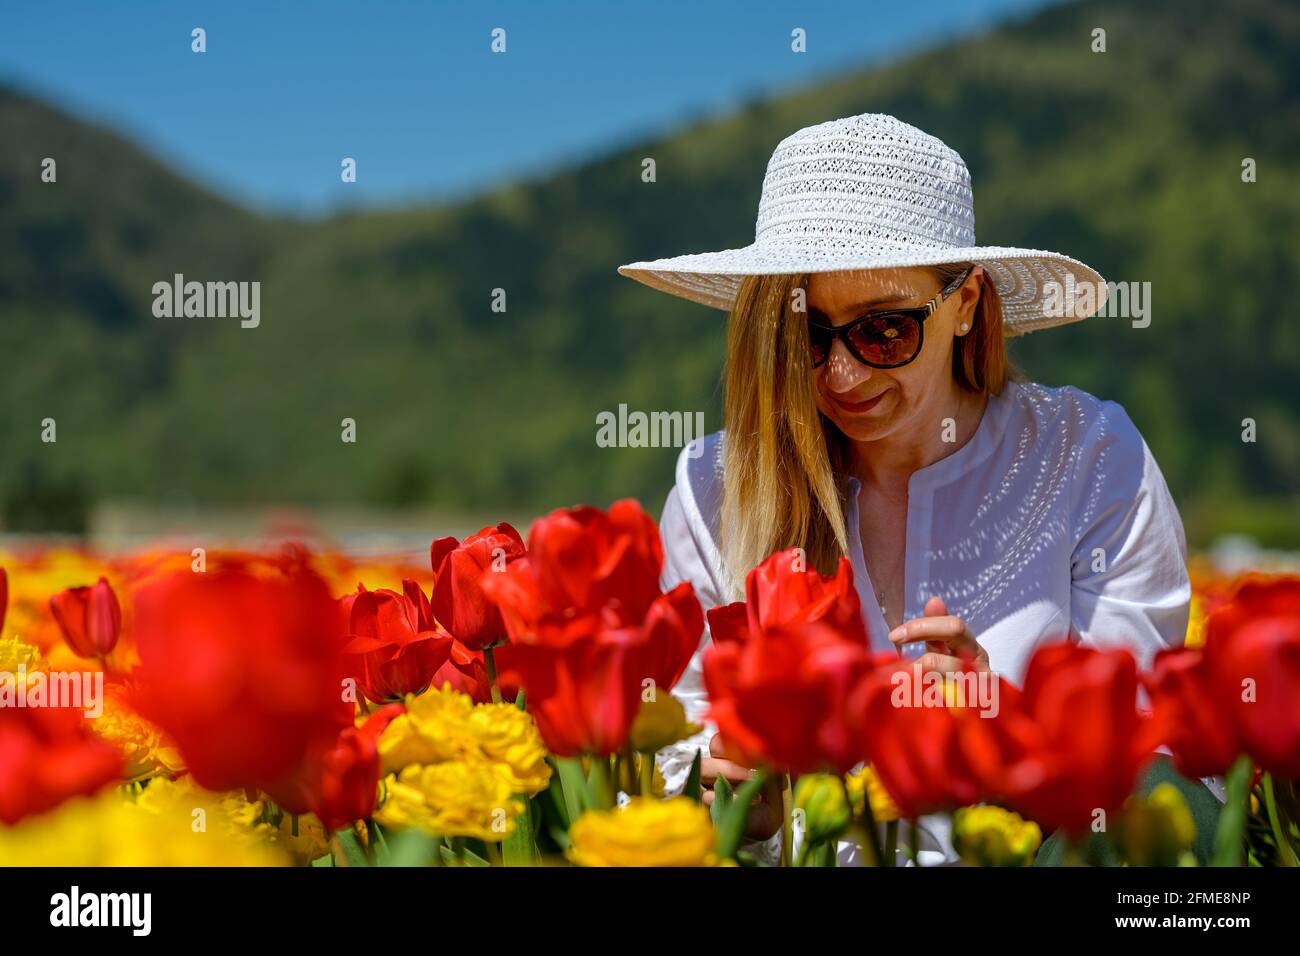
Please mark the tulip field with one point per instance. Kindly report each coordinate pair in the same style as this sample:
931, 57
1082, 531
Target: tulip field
502, 702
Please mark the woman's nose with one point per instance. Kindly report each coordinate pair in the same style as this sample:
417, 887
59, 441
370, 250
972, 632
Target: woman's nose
843, 372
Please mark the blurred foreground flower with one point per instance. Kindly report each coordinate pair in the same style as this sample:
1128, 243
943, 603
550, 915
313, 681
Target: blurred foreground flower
241, 667
48, 754
185, 827
1157, 830
1072, 744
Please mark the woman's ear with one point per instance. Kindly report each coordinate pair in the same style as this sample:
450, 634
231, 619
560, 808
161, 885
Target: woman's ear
969, 298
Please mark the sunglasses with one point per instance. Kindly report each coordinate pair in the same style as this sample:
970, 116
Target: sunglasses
889, 338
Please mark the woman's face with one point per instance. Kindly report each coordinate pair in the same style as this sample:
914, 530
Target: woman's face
868, 404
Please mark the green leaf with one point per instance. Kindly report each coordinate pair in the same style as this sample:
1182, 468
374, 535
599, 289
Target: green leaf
408, 848
692, 788
1229, 841
732, 829
352, 849
574, 784
519, 701
519, 848
326, 860
470, 857
722, 796
561, 837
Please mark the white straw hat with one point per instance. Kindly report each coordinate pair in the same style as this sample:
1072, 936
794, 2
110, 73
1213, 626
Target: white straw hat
872, 192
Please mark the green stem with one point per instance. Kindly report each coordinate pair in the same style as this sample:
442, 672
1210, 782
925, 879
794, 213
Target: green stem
573, 783
493, 853
1286, 852
1229, 840
870, 836
490, 663
914, 842
891, 842
647, 775
801, 859
787, 819
601, 783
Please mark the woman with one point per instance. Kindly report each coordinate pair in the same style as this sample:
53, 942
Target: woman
870, 412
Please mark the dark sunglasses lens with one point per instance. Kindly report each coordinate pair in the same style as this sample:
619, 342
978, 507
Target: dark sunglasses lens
887, 339
819, 343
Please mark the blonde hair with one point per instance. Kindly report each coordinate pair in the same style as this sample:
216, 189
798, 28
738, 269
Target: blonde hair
783, 478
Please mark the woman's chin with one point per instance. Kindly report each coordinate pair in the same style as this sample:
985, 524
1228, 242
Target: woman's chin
870, 425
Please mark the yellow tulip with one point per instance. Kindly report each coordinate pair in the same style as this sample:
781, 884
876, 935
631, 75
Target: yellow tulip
992, 836
659, 722
186, 827
645, 832
825, 806
1157, 830
469, 798
866, 784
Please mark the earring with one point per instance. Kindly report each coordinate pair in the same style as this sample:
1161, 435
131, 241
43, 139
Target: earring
963, 327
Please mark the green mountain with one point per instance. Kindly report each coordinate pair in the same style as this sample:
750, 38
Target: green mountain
1129, 159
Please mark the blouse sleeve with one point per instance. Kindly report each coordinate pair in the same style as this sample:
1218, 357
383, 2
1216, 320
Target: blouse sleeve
1130, 585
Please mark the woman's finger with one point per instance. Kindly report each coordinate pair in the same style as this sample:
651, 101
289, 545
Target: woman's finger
713, 767
949, 630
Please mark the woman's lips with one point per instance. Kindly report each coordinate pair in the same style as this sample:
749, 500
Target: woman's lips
857, 408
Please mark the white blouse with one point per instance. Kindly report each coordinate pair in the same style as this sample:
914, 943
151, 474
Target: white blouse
1052, 522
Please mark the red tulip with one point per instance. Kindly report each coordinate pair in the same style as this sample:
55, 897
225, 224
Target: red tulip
589, 625
582, 561
466, 672
395, 648
242, 669
783, 664
4, 598
345, 784
459, 603
779, 697
1253, 648
48, 754
90, 618
349, 777
1196, 725
783, 591
1073, 742
921, 753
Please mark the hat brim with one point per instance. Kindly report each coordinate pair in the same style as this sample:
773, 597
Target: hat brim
1023, 277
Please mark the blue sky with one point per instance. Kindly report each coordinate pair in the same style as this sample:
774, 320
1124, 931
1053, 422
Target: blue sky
288, 88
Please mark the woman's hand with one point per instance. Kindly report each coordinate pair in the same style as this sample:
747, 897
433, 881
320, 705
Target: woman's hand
949, 644
764, 813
